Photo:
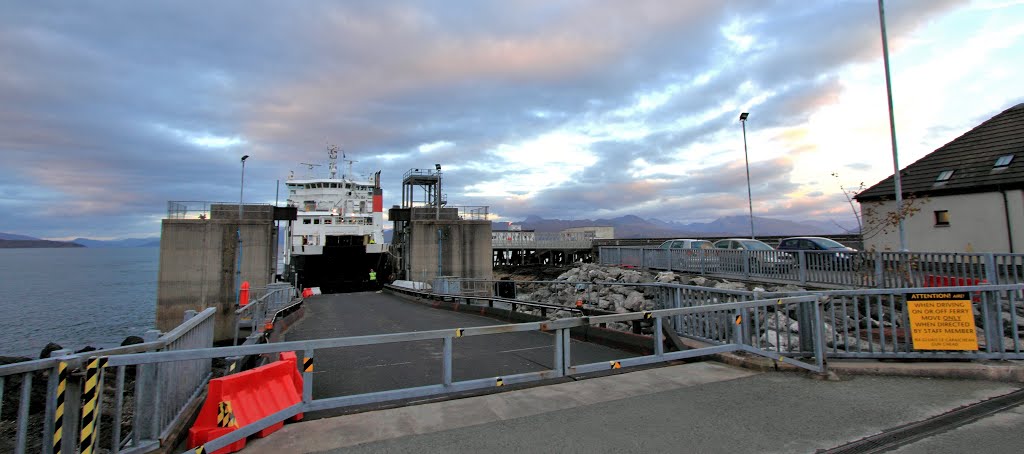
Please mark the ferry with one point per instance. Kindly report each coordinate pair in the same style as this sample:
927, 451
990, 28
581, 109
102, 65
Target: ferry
337, 238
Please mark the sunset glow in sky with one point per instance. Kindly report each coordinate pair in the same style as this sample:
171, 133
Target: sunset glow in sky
562, 109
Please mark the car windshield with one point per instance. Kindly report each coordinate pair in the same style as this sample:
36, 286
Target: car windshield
828, 244
755, 245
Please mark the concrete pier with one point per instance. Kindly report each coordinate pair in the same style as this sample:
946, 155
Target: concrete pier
199, 259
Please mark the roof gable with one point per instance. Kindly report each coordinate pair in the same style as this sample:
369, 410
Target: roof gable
971, 157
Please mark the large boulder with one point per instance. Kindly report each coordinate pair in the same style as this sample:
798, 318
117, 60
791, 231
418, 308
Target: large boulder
665, 277
726, 285
634, 302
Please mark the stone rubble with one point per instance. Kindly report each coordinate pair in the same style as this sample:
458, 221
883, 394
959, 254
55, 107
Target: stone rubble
848, 326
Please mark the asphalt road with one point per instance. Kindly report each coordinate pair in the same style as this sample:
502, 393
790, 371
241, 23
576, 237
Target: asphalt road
357, 370
699, 408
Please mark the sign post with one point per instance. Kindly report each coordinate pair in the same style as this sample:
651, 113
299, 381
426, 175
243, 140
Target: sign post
942, 321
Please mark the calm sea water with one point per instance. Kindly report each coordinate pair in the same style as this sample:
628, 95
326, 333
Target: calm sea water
75, 297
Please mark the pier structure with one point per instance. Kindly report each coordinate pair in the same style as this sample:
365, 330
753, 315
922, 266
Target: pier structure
206, 251
432, 239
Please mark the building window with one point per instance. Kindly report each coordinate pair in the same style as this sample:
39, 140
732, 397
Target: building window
1004, 161
944, 175
941, 218
307, 221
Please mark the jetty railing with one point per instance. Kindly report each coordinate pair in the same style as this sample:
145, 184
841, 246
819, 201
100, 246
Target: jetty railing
261, 310
860, 323
561, 361
828, 268
142, 415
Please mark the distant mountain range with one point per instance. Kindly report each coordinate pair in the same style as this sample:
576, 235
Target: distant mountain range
13, 240
636, 227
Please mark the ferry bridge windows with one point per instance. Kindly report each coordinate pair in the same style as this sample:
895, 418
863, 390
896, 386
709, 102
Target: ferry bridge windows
307, 221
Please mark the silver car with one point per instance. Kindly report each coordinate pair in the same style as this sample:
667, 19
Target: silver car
691, 255
760, 256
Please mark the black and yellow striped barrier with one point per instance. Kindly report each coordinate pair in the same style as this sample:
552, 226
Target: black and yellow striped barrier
58, 414
90, 395
226, 416
307, 364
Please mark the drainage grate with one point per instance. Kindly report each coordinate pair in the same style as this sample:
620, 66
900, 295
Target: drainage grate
909, 433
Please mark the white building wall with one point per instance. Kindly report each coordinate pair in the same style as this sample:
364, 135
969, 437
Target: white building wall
977, 223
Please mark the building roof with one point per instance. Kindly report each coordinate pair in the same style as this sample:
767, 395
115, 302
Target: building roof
972, 158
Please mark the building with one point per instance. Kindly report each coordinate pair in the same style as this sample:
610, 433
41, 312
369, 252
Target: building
968, 195
590, 232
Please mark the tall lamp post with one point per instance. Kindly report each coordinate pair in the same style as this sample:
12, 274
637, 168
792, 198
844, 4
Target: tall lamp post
241, 188
750, 199
892, 130
238, 233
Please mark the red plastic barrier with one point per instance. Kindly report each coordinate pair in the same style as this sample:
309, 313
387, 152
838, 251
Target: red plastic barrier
307, 292
243, 294
252, 395
931, 280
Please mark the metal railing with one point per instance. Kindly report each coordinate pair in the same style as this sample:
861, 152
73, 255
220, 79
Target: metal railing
828, 269
262, 310
541, 240
158, 402
200, 209
561, 359
477, 213
862, 323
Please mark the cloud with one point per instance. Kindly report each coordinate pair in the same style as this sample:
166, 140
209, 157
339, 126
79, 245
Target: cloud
566, 108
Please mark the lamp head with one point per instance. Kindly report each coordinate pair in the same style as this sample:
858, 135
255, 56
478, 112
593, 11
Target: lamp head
244, 157
438, 167
743, 116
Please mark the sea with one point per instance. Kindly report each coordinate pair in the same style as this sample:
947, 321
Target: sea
75, 297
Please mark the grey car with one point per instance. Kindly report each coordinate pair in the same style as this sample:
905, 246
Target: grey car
761, 256
840, 256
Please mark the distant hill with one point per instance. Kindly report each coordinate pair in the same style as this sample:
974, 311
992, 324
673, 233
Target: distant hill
18, 244
122, 243
14, 236
636, 227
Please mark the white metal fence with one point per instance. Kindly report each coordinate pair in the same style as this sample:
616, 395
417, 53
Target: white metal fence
72, 418
829, 269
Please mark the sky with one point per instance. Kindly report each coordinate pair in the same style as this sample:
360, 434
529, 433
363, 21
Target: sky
561, 109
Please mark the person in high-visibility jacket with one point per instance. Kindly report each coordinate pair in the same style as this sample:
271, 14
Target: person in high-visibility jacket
373, 278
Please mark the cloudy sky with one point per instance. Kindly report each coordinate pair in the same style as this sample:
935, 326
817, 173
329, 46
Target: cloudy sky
563, 109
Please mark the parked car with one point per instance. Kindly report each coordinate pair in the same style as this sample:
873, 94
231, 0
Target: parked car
691, 255
841, 257
686, 244
762, 257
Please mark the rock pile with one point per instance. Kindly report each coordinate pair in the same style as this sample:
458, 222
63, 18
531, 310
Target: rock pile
854, 324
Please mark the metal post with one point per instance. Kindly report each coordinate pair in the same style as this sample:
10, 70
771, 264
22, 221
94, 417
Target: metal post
819, 336
146, 395
558, 365
991, 271
307, 378
659, 338
746, 159
879, 271
446, 372
802, 255
897, 181
72, 407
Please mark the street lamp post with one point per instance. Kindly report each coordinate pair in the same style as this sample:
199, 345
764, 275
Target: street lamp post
892, 130
241, 188
746, 159
238, 233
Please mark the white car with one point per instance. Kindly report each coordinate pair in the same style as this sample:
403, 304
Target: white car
686, 244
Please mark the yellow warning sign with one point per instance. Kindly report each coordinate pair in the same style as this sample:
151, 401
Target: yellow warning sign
942, 321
